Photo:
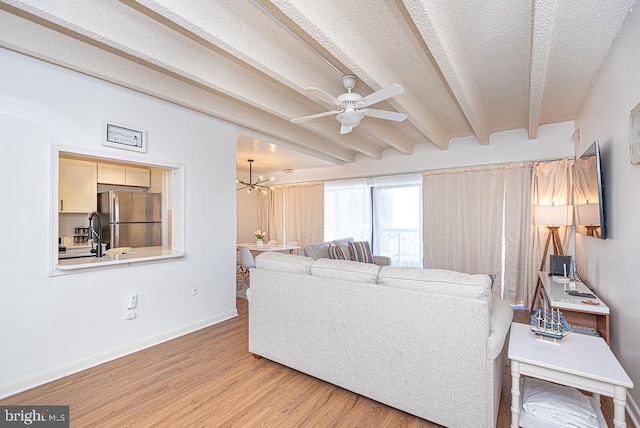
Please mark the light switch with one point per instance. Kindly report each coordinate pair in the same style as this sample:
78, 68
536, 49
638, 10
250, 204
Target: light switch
132, 301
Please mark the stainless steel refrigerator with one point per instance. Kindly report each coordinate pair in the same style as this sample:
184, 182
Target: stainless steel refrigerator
130, 219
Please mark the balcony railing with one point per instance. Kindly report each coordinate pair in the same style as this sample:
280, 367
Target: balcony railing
402, 245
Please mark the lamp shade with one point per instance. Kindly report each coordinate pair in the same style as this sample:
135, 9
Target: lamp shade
554, 215
588, 214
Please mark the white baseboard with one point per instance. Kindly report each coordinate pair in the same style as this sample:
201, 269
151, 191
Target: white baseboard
633, 410
77, 366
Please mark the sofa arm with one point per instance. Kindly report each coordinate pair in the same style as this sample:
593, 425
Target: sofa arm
382, 260
500, 321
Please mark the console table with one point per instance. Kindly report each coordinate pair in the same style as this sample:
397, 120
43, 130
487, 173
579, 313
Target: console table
574, 310
580, 361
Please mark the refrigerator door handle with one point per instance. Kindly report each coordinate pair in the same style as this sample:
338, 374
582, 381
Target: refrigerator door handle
114, 208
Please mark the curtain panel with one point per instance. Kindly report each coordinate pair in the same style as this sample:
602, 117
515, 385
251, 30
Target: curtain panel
478, 220
347, 210
304, 213
463, 221
397, 218
293, 213
519, 267
551, 186
271, 214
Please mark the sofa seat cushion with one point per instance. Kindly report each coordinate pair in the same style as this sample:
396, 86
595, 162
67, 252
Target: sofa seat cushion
272, 260
436, 281
345, 270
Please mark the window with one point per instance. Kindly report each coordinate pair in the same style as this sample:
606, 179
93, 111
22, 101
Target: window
385, 211
81, 178
347, 210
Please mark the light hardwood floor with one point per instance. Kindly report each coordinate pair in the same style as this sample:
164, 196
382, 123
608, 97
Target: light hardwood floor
209, 379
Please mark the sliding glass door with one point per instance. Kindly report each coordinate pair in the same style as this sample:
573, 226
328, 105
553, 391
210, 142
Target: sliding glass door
397, 223
347, 210
386, 211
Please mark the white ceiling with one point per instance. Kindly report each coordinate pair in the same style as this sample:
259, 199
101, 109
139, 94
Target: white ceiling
468, 67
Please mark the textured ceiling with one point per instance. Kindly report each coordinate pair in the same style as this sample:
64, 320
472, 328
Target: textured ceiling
468, 67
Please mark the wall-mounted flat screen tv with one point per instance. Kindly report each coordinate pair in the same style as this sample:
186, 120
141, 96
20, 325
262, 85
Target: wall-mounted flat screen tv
588, 194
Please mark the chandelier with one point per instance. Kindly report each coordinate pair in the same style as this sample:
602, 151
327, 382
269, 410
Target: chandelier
254, 186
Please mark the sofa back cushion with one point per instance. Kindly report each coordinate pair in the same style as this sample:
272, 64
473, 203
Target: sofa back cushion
317, 251
436, 281
321, 249
272, 260
345, 270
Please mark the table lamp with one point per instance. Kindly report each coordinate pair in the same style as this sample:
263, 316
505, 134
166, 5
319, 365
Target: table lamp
552, 216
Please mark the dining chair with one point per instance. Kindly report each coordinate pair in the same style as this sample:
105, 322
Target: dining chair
248, 262
271, 243
292, 244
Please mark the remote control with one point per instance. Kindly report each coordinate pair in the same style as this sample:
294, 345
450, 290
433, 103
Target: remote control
578, 294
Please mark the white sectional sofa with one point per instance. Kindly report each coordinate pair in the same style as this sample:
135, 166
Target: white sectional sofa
428, 342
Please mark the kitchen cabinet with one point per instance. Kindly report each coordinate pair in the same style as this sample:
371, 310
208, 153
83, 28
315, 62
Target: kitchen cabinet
77, 186
140, 177
123, 175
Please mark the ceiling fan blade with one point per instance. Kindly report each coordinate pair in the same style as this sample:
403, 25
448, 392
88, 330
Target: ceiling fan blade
382, 94
315, 116
384, 114
345, 129
319, 93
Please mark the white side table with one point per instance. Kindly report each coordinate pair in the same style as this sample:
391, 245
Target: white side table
580, 361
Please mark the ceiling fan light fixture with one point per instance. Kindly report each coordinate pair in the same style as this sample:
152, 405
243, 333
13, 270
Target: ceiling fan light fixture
350, 118
351, 107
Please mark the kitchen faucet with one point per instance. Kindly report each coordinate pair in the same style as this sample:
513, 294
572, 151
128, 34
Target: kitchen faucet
93, 232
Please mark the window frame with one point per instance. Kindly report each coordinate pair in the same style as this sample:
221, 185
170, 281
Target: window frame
177, 245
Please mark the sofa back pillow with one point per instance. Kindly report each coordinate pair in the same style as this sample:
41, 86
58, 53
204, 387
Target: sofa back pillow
437, 281
360, 251
345, 270
336, 252
273, 260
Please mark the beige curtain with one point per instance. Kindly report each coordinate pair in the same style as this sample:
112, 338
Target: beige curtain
552, 186
478, 220
304, 213
271, 215
519, 270
463, 212
293, 212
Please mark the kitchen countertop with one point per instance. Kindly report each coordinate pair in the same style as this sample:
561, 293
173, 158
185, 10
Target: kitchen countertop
141, 254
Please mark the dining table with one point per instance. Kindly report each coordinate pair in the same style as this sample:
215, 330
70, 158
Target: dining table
264, 248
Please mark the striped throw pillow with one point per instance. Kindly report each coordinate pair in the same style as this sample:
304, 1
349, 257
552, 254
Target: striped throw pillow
336, 253
360, 252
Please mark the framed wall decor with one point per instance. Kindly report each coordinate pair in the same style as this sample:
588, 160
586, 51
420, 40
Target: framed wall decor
124, 137
634, 135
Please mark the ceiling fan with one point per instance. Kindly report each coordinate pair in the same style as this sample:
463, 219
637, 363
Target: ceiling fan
352, 107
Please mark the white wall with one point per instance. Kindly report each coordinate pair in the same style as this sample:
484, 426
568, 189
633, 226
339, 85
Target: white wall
553, 142
611, 265
53, 326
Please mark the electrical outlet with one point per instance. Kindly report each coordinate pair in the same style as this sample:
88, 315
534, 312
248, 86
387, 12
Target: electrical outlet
130, 314
132, 301
194, 290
